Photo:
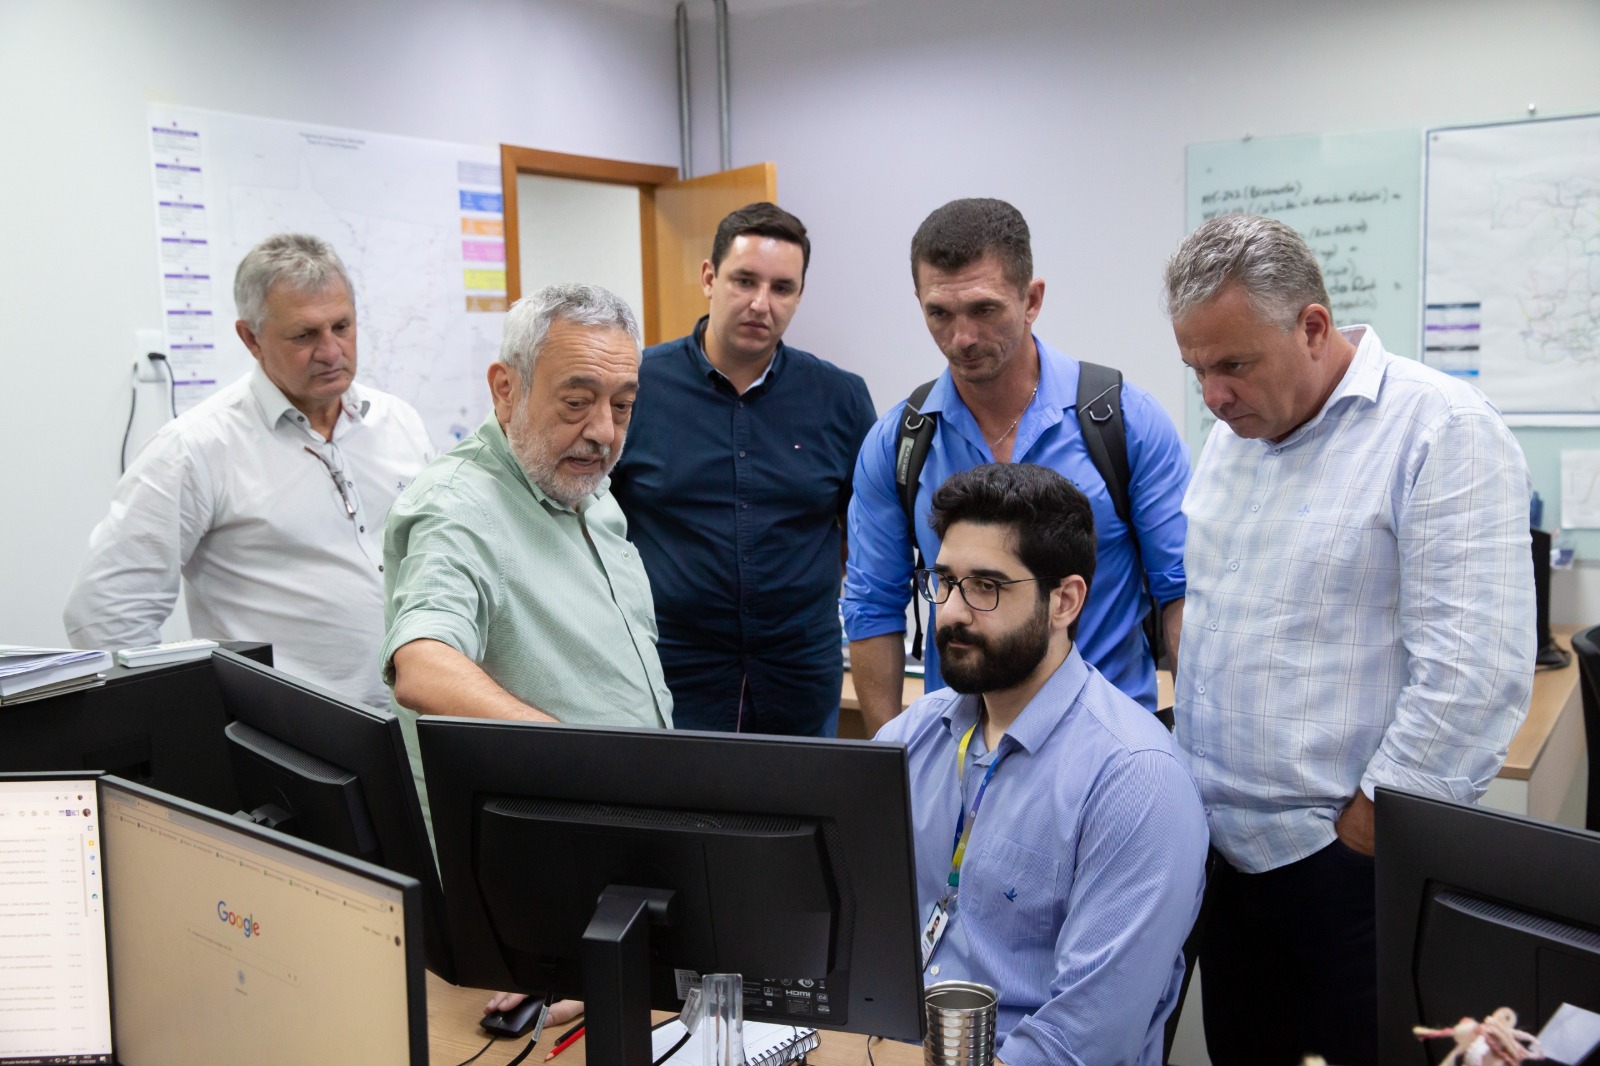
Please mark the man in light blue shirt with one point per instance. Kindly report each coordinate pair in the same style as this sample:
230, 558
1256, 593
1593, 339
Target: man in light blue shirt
1360, 613
1007, 396
1060, 843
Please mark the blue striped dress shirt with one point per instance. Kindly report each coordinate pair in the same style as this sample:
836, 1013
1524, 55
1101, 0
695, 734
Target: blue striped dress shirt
1083, 873
1360, 608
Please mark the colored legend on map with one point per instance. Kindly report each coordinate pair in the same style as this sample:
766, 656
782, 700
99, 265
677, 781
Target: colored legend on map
1451, 337
486, 280
483, 227
486, 303
483, 251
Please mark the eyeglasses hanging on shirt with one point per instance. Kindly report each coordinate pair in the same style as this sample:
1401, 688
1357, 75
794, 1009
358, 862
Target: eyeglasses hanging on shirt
338, 482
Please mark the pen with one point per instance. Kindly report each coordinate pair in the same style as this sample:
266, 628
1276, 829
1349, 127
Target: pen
571, 1037
575, 1029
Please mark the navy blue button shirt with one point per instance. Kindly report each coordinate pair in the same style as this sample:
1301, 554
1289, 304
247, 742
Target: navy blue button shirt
734, 502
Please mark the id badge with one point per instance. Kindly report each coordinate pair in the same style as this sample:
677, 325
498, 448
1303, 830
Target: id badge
933, 930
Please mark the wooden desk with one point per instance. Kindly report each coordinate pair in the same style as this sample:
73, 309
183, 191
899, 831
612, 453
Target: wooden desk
1543, 773
454, 1036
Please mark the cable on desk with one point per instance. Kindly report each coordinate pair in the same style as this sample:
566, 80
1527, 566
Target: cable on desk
479, 1055
870, 1039
133, 405
524, 1053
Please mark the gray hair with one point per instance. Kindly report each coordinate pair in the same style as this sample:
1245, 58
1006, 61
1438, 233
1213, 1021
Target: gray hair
528, 322
297, 260
1273, 263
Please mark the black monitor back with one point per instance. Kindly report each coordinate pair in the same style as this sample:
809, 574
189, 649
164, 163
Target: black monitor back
159, 726
339, 768
1477, 910
792, 852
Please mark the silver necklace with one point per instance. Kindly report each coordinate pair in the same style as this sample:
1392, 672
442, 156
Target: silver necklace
1018, 420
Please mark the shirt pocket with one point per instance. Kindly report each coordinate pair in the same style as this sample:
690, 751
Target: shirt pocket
1012, 893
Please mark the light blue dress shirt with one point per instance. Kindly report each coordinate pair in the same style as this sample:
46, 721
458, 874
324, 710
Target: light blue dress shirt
1083, 873
1360, 608
878, 574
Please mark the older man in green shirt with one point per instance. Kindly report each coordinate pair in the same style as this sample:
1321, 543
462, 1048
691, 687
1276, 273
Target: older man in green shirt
512, 590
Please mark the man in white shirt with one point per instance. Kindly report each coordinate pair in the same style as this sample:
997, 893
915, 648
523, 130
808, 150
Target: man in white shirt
267, 499
1359, 613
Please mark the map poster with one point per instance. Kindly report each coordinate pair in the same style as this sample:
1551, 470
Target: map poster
1512, 265
418, 223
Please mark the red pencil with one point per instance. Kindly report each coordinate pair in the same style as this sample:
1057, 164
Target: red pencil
566, 1042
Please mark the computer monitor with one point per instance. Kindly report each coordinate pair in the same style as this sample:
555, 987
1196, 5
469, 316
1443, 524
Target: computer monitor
616, 864
55, 995
336, 773
234, 943
1478, 910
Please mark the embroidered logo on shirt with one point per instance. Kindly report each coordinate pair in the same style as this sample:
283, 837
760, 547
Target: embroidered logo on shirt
1011, 894
1303, 512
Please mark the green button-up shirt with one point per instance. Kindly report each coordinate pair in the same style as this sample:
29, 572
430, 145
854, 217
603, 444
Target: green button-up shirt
552, 602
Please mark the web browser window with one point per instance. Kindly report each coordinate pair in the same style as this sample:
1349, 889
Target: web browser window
228, 948
55, 1005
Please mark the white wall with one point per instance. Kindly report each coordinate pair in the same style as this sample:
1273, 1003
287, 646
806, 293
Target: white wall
77, 226
1078, 112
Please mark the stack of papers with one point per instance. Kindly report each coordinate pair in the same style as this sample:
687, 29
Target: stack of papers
765, 1044
33, 673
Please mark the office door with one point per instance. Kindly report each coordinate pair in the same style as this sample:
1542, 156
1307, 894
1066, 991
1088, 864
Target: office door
686, 217
677, 221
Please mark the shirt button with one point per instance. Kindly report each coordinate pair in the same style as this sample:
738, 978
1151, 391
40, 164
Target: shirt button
1213, 627
1208, 812
1233, 566
1201, 689
624, 555
744, 505
934, 969
1200, 753
1255, 507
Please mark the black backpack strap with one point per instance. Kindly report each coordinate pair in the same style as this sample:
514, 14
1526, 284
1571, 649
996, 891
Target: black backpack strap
910, 453
1106, 437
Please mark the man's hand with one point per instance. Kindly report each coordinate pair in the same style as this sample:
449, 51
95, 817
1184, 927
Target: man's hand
561, 1012
878, 668
1355, 824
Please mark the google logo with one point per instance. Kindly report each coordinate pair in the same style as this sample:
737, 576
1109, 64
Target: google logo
250, 926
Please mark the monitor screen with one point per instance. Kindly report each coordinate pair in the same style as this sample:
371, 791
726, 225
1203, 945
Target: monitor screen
312, 765
1477, 910
615, 865
55, 1003
234, 943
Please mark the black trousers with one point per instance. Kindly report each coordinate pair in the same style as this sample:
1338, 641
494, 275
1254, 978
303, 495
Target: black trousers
1289, 964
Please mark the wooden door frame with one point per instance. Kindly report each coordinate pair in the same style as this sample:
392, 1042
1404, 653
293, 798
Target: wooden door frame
643, 176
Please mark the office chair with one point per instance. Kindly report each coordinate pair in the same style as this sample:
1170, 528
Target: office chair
1586, 643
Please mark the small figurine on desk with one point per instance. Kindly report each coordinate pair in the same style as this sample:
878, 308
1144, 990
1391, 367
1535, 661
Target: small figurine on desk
1495, 1041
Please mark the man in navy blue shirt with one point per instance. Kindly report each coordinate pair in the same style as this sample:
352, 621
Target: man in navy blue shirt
735, 482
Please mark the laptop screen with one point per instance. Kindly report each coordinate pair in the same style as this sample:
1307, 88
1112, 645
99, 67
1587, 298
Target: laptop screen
53, 988
226, 946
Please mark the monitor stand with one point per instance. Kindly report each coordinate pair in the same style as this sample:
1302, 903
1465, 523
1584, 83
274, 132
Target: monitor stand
616, 974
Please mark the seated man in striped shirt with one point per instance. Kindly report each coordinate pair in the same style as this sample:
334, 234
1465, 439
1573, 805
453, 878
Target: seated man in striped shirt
1079, 843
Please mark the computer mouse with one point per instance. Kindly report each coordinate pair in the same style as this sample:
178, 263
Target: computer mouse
518, 1021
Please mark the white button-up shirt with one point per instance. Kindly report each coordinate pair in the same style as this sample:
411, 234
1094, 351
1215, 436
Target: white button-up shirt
1360, 608
267, 545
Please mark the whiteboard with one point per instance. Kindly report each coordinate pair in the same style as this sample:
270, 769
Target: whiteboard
1355, 198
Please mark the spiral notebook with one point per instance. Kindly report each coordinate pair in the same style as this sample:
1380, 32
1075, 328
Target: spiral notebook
765, 1044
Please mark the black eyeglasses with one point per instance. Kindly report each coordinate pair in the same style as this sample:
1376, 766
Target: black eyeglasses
980, 593
338, 482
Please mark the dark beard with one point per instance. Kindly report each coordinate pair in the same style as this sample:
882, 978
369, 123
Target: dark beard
994, 664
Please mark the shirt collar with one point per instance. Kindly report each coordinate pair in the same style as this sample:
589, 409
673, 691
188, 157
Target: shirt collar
697, 351
275, 405
1058, 385
1360, 384
1055, 698
493, 435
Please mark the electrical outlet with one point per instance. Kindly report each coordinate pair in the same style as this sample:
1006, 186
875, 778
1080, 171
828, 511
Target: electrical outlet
147, 341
